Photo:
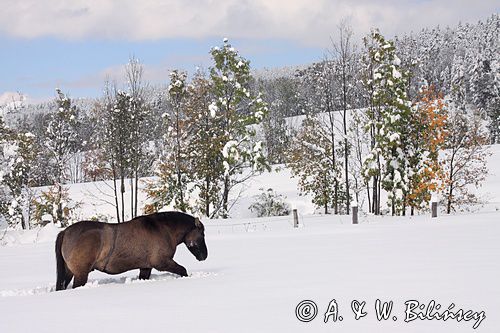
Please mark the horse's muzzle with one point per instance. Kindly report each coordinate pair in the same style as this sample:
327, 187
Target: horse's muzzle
200, 253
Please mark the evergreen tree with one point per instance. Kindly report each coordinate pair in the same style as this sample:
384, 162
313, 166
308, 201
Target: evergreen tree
390, 101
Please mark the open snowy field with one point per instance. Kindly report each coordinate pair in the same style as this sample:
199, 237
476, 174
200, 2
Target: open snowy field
254, 278
258, 270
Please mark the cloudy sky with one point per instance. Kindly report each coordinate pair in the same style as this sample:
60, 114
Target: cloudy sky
76, 44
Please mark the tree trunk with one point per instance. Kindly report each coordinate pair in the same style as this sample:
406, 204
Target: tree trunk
375, 196
225, 197
336, 184
207, 196
115, 190
346, 151
348, 199
450, 180
59, 211
336, 202
181, 193
122, 191
379, 184
136, 191
450, 199
131, 197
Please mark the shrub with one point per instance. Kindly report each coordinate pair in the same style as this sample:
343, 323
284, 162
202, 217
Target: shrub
269, 203
61, 208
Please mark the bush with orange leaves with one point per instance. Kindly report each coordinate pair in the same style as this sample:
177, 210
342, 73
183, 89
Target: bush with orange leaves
427, 137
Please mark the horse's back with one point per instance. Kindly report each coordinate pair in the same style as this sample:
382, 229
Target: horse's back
84, 241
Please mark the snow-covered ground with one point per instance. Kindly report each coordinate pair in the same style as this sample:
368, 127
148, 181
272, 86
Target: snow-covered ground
258, 270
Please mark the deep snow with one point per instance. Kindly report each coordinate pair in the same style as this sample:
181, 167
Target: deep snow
258, 270
253, 280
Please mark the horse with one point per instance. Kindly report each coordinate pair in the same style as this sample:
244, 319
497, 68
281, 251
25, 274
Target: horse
143, 243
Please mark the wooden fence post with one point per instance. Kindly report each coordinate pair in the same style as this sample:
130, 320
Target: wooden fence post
295, 219
434, 207
354, 207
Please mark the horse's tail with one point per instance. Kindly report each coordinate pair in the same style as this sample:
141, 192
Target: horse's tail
60, 264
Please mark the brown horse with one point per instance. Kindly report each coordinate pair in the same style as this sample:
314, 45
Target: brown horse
145, 242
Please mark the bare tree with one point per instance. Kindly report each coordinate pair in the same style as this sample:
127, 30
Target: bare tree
344, 54
134, 74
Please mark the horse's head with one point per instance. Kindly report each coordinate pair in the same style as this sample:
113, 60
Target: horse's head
195, 241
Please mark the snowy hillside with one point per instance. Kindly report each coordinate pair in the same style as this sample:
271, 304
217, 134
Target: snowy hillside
260, 269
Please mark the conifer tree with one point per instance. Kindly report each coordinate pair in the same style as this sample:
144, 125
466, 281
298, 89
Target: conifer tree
389, 118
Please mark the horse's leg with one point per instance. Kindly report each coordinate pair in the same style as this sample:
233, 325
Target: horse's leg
170, 265
80, 280
144, 273
67, 277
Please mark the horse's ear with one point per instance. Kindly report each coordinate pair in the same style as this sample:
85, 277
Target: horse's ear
197, 222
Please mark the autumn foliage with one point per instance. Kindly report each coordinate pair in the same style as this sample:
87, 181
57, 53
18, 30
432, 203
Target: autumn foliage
428, 136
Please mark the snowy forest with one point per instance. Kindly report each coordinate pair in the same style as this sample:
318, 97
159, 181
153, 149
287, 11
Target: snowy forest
384, 123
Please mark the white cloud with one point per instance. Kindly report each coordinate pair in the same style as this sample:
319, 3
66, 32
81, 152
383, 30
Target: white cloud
309, 22
9, 97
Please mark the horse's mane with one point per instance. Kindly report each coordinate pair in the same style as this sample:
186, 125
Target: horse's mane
151, 221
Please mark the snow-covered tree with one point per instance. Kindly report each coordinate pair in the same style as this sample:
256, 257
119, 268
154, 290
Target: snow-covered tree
117, 144
238, 110
314, 164
389, 118
319, 98
427, 138
464, 160
174, 165
17, 153
123, 131
345, 69
61, 143
139, 126
280, 94
205, 147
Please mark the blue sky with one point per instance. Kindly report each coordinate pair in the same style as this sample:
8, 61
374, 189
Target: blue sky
76, 44
36, 66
